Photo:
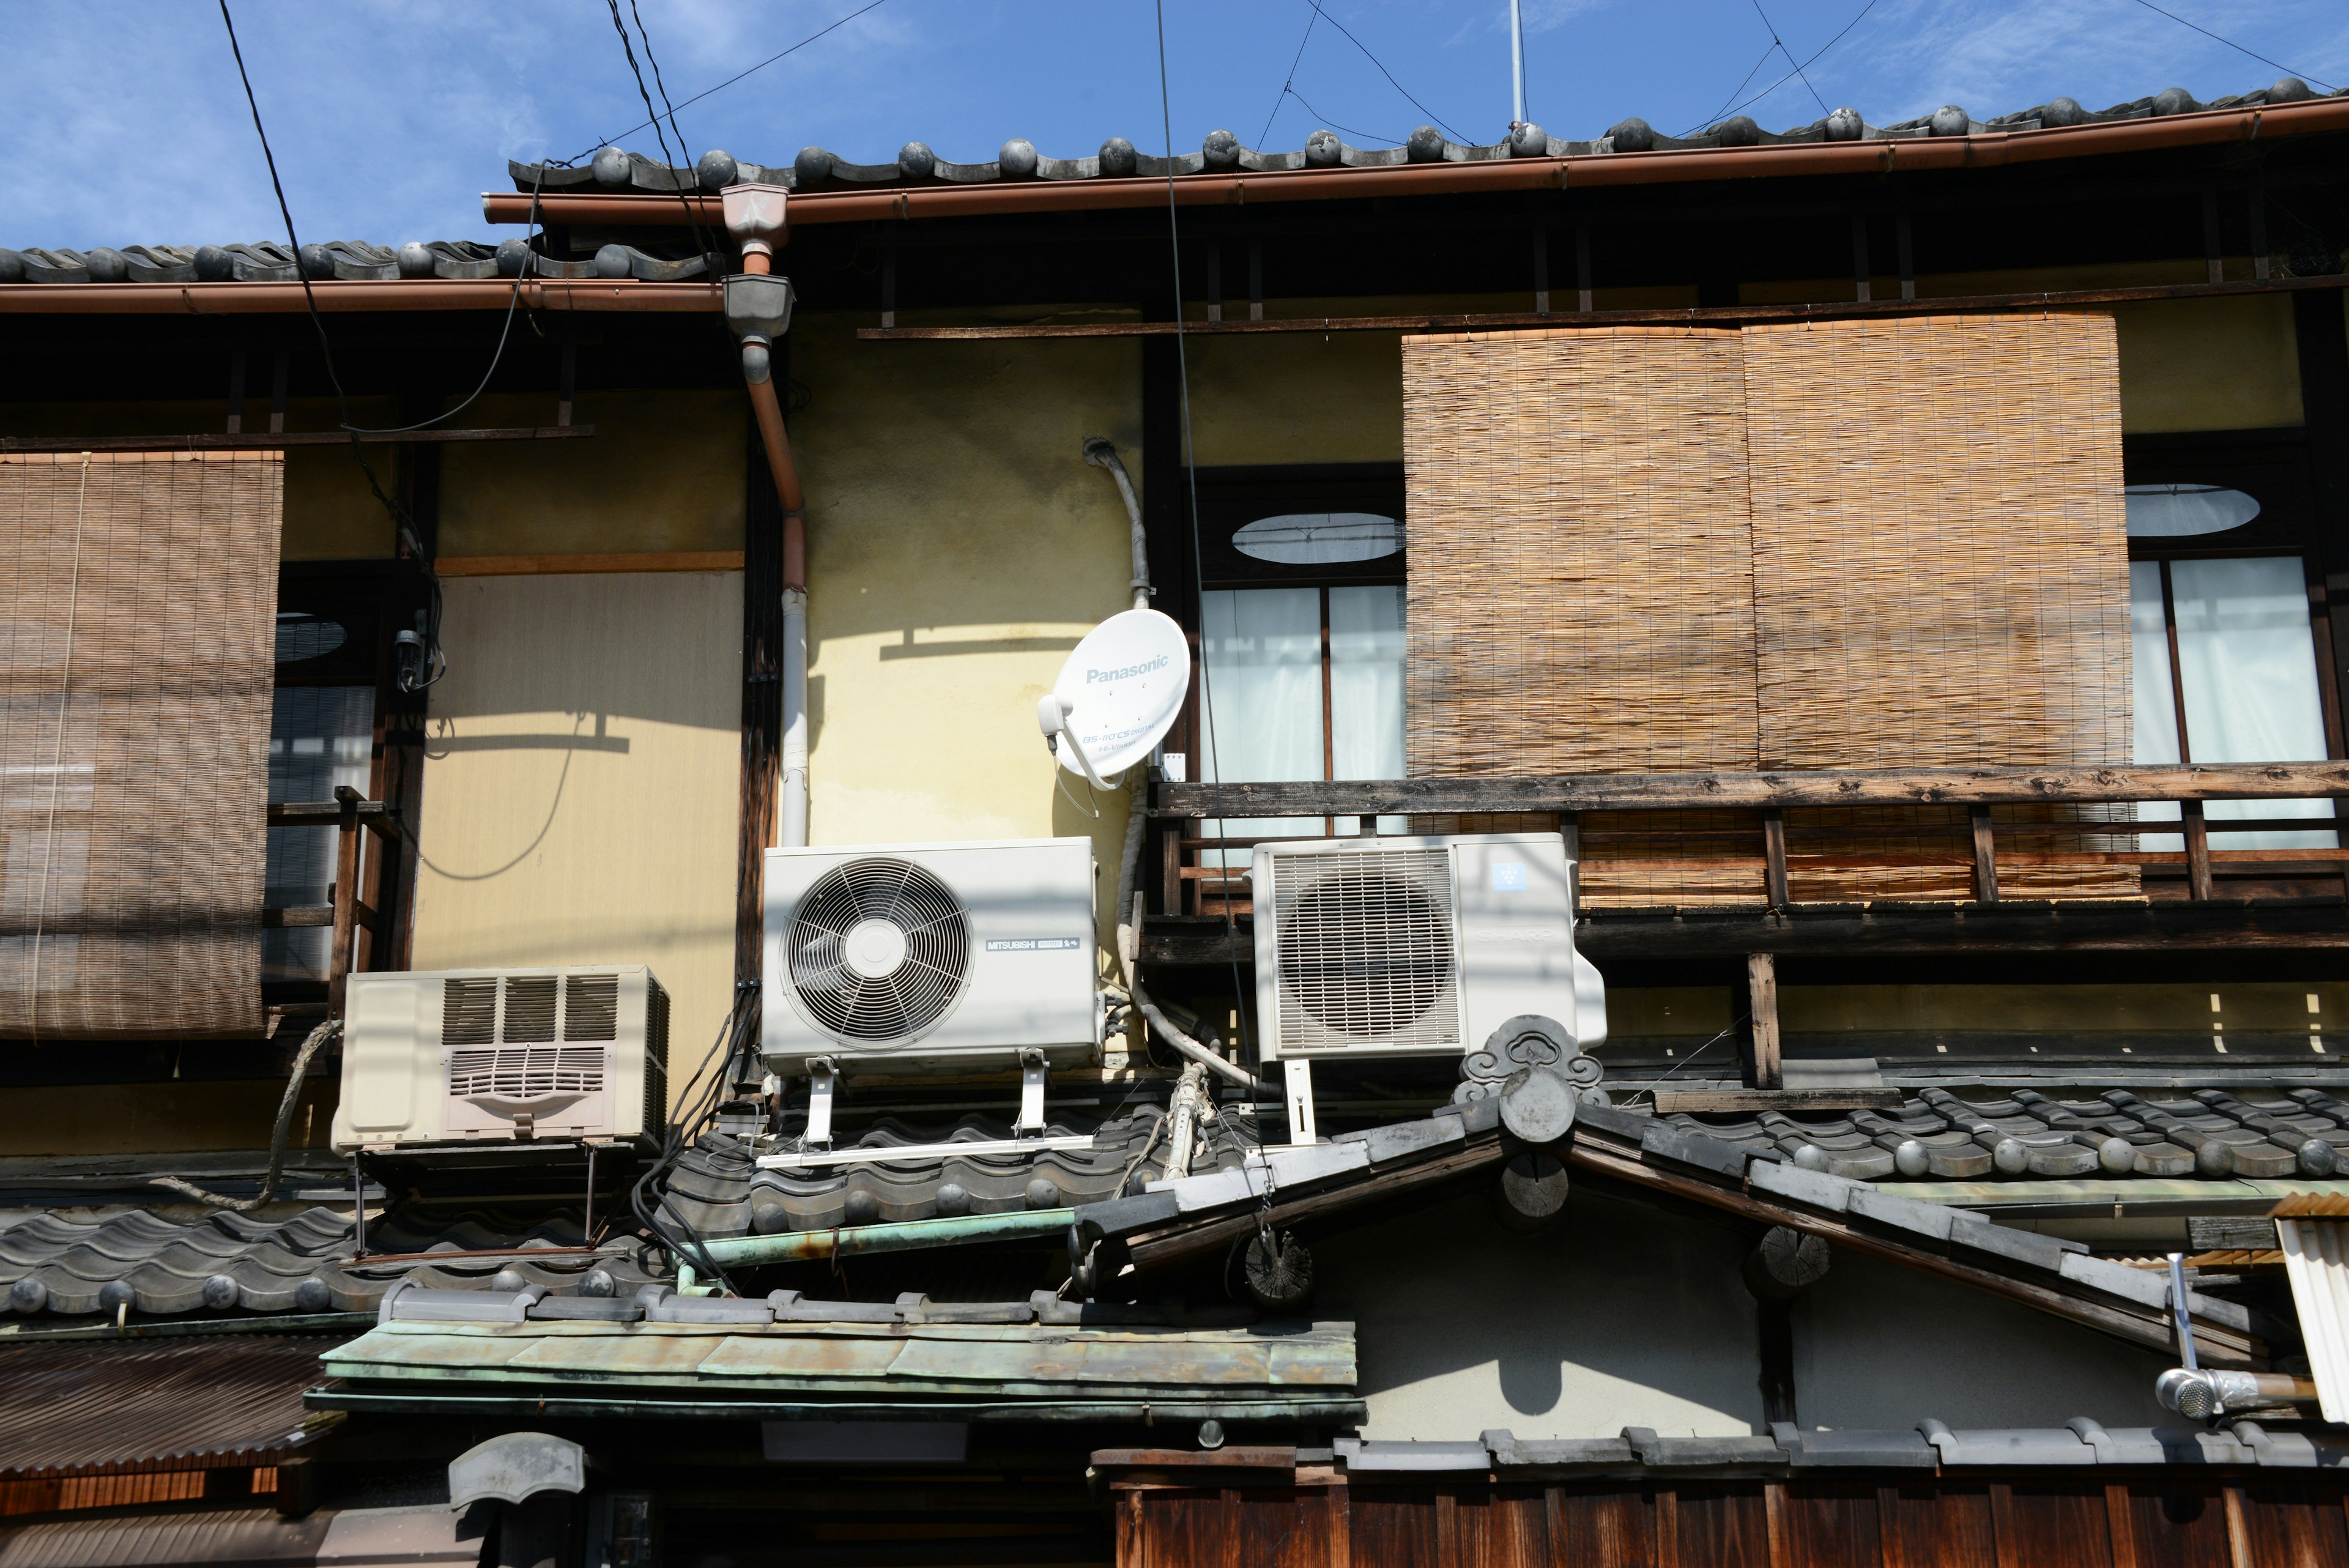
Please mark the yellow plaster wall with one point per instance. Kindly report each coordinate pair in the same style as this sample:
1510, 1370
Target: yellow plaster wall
664, 471
581, 786
959, 546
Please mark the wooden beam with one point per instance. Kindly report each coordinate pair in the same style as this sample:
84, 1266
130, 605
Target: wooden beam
1692, 315
1758, 791
561, 565
2198, 849
216, 441
1985, 855
1777, 888
1762, 1005
1846, 931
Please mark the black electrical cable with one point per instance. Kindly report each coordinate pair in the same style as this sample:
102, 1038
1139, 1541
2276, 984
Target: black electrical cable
2231, 43
650, 1198
1781, 44
737, 77
701, 241
1287, 81
1813, 60
434, 662
1191, 478
1365, 135
1374, 60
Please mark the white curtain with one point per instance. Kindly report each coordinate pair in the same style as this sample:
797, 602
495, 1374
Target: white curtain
1260, 698
319, 736
1366, 672
2248, 659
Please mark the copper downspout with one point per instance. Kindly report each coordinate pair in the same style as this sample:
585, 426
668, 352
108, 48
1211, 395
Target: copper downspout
755, 218
1989, 149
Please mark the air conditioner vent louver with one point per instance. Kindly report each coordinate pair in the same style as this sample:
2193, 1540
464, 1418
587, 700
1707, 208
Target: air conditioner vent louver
525, 1072
469, 1011
878, 949
591, 1006
1367, 949
530, 1009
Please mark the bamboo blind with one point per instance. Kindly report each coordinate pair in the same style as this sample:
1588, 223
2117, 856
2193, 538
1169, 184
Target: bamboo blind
1580, 590
1639, 549
137, 604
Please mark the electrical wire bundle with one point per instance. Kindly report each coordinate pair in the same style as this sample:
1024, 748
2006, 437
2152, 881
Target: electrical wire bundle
698, 1106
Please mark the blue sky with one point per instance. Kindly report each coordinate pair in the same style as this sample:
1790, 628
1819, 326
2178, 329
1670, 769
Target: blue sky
389, 118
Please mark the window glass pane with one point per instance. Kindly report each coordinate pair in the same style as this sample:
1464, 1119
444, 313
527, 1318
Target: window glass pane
1366, 647
2153, 700
319, 736
2248, 660
1260, 696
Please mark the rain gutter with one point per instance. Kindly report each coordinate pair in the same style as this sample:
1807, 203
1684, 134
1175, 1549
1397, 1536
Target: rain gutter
286, 298
1814, 159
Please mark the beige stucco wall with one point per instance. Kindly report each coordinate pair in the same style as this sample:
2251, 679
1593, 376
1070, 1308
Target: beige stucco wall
1620, 1316
1880, 1345
664, 471
959, 546
581, 783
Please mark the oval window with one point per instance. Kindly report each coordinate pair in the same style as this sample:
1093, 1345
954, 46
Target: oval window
1320, 538
301, 637
2175, 510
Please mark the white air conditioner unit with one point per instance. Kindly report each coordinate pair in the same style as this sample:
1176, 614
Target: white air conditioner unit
931, 956
467, 1055
1416, 946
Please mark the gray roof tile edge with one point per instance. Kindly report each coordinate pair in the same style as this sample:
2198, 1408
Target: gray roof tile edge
1221, 153
1929, 1445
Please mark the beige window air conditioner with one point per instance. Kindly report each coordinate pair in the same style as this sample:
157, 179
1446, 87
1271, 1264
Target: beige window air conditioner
468, 1056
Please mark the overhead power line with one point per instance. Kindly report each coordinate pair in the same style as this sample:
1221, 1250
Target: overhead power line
1358, 43
1782, 81
1781, 44
1288, 81
2238, 48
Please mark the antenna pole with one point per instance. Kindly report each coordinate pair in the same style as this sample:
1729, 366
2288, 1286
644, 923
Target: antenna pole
1517, 58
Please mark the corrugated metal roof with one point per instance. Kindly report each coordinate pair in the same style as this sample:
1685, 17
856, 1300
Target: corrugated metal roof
92, 1408
165, 1541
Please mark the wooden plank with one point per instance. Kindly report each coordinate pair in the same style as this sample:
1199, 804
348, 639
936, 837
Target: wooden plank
1749, 1101
300, 917
2272, 925
2239, 1531
559, 565
2197, 848
1668, 1528
324, 813
2120, 1517
1773, 1506
1762, 1000
233, 441
1775, 882
1985, 855
1339, 1501
1694, 316
1706, 791
1891, 1541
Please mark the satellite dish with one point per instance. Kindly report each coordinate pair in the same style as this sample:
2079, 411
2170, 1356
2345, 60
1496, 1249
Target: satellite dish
1117, 695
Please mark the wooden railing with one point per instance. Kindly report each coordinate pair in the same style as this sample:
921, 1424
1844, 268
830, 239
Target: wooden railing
350, 914
1737, 828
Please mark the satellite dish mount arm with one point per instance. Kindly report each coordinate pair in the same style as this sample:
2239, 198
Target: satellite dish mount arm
1052, 718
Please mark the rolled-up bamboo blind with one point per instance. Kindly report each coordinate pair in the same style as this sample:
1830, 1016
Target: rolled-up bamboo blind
137, 605
1829, 544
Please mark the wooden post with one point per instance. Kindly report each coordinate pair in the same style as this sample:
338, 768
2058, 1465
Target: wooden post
1985, 856
2198, 849
1762, 997
1774, 1513
1170, 867
346, 895
2238, 1532
1774, 858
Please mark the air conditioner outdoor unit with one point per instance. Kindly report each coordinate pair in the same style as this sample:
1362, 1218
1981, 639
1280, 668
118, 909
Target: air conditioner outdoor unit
1416, 946
468, 1056
930, 957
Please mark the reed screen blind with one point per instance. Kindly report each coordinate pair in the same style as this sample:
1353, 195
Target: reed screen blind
1867, 543
137, 606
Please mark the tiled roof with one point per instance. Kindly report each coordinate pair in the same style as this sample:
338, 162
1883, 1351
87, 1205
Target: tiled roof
816, 167
227, 1262
105, 1406
346, 261
2029, 1136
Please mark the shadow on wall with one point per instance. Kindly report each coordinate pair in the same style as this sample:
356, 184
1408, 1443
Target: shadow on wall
593, 648
1622, 1314
1880, 1345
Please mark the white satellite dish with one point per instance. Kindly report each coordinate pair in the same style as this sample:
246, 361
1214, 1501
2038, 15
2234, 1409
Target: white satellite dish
1117, 695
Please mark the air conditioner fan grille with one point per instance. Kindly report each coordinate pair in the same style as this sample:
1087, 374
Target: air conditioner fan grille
855, 989
1366, 954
